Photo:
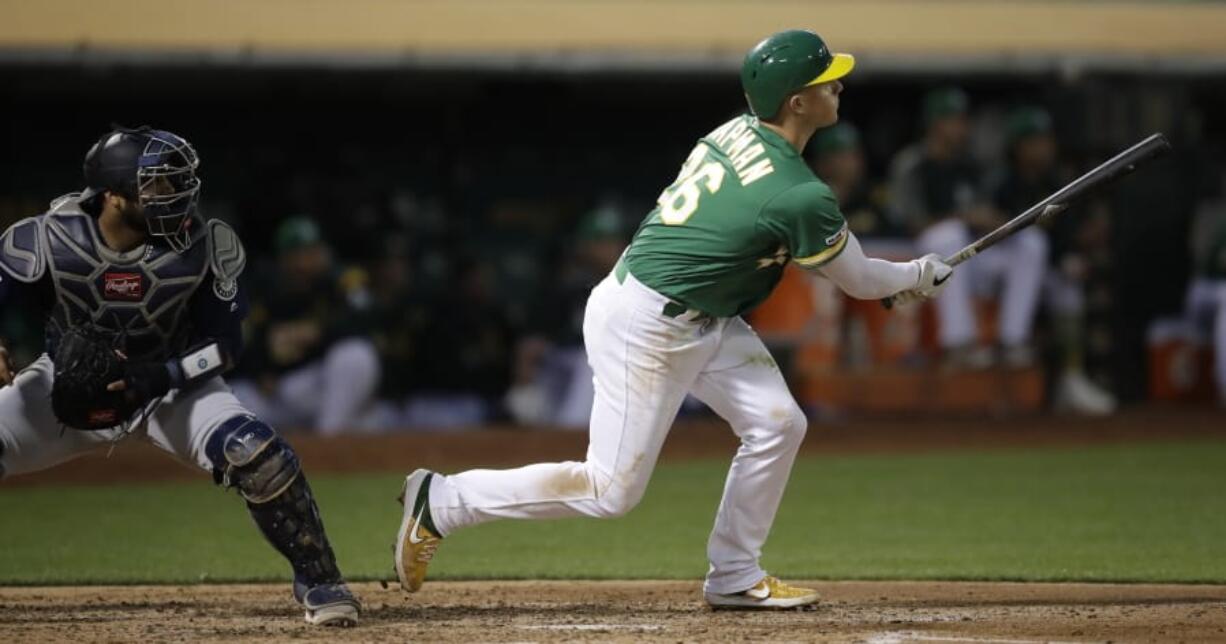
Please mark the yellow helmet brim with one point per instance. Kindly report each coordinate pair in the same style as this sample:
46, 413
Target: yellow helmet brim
839, 67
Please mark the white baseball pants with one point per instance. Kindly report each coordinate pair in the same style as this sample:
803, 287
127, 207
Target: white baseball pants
644, 364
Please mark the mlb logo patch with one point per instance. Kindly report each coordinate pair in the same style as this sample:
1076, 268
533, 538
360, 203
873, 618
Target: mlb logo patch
124, 287
838, 236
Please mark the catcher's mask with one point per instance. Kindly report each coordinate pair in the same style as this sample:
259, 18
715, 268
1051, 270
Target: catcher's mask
155, 168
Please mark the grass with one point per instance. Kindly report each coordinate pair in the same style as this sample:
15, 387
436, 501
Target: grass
1153, 512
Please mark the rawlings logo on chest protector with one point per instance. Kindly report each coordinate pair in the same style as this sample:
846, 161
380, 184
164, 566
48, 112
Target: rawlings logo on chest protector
124, 287
103, 417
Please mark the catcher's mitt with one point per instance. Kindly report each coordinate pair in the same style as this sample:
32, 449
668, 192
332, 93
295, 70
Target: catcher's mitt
85, 363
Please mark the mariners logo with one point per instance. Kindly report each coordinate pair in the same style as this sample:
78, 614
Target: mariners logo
225, 290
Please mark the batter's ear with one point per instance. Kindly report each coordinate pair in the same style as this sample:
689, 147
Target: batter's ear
797, 102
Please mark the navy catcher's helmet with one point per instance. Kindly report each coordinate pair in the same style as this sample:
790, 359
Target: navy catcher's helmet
154, 168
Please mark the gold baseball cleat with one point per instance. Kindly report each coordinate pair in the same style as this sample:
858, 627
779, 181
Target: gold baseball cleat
417, 540
768, 593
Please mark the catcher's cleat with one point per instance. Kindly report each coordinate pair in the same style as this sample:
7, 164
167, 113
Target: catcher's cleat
768, 593
328, 604
418, 538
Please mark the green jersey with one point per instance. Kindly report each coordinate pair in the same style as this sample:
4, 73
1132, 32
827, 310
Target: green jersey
1213, 260
744, 204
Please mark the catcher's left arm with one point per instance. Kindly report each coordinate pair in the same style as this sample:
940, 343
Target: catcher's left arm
97, 387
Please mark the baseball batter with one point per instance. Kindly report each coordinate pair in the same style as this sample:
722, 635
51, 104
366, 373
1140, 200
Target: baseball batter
666, 322
143, 310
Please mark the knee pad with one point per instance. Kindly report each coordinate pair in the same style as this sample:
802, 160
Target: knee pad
248, 455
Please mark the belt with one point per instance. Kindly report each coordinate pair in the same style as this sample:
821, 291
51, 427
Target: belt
671, 309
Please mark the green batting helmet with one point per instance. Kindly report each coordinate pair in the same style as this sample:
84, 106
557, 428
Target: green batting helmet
1027, 121
785, 62
296, 232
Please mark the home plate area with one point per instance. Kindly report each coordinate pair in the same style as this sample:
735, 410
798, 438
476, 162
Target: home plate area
524, 611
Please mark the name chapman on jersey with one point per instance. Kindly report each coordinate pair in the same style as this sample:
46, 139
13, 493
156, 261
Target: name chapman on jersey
737, 140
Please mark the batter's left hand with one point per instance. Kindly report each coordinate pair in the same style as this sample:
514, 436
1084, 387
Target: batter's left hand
934, 274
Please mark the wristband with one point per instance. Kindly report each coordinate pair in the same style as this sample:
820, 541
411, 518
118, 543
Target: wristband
197, 365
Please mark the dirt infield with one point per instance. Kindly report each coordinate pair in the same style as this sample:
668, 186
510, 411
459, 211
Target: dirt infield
133, 461
875, 612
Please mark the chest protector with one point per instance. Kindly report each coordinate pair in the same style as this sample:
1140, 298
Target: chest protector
142, 295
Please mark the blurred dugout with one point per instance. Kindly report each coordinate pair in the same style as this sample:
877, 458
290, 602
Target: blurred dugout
507, 129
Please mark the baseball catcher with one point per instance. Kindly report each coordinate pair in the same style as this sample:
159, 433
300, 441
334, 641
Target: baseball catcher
143, 308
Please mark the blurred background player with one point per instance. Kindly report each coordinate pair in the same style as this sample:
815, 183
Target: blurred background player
554, 382
398, 313
836, 155
312, 363
1031, 172
1206, 298
465, 352
938, 192
444, 351
666, 322
130, 254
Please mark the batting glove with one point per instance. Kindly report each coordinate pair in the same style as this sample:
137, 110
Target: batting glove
934, 274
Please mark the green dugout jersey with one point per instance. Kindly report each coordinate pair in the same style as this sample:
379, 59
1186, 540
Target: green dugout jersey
744, 204
1213, 265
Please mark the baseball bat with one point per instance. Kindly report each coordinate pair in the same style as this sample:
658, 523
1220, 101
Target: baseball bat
1124, 163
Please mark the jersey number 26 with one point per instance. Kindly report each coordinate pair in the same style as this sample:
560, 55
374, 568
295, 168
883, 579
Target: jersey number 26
679, 201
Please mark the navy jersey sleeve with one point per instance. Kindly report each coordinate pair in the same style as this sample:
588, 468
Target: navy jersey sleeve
220, 318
